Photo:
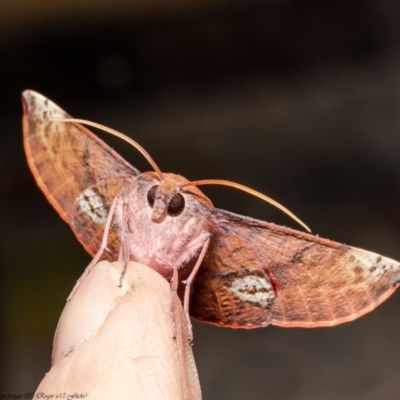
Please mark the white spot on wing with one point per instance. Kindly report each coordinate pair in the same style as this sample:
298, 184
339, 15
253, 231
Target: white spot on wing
375, 266
92, 205
253, 289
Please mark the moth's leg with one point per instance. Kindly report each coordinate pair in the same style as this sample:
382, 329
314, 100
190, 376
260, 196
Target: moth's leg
174, 290
101, 250
121, 253
188, 284
124, 249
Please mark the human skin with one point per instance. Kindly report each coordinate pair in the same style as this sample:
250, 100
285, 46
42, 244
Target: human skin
118, 342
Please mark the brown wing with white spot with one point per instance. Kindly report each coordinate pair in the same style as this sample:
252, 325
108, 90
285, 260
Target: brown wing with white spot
315, 282
79, 174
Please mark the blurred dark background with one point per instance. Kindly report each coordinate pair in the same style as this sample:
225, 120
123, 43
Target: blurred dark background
298, 99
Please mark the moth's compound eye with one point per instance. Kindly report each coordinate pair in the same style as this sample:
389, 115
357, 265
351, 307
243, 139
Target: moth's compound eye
176, 205
151, 195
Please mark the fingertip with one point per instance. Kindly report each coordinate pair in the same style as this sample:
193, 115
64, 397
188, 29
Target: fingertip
133, 328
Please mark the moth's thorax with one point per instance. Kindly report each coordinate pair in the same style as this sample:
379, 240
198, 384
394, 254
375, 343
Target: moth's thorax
156, 236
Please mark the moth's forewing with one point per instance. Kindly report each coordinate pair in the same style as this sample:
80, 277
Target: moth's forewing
79, 174
258, 273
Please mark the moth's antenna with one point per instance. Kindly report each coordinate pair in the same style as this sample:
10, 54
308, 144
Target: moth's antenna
118, 134
248, 190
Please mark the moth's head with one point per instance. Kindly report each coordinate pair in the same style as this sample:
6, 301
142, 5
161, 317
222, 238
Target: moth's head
170, 197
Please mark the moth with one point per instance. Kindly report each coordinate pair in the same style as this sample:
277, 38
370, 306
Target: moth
239, 272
